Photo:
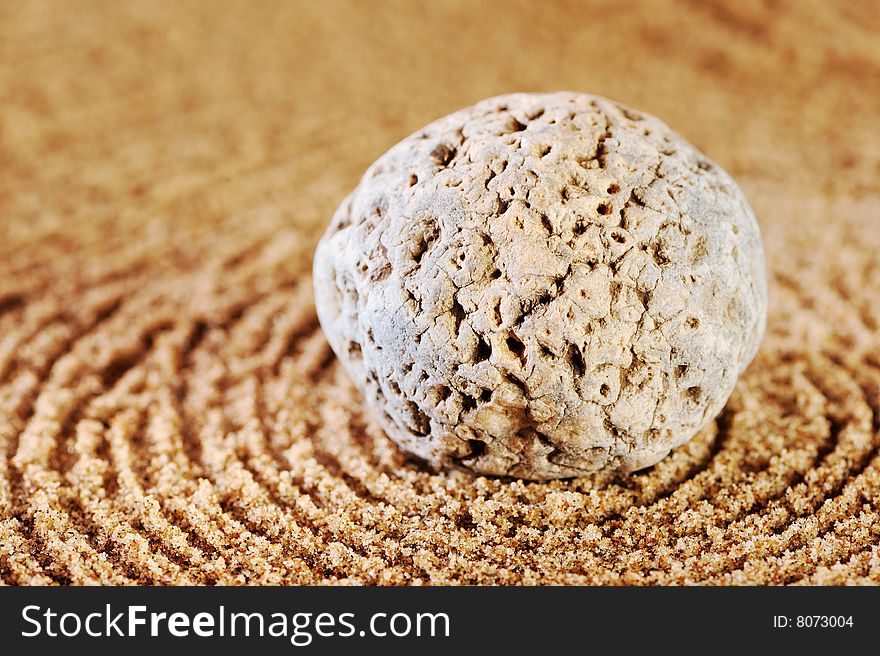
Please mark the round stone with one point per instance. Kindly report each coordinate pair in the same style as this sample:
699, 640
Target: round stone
543, 286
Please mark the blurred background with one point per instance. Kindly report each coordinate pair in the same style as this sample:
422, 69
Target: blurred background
166, 110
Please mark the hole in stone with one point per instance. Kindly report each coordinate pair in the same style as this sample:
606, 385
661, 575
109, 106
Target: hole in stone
442, 392
419, 251
618, 236
486, 395
576, 359
695, 392
692, 322
458, 315
424, 241
544, 150
477, 448
659, 255
515, 346
545, 221
515, 126
681, 370
413, 180
418, 420
604, 389
484, 350
613, 188
354, 350
604, 209
443, 154
495, 275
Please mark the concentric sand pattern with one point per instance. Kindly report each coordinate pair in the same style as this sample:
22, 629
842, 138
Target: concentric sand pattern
171, 413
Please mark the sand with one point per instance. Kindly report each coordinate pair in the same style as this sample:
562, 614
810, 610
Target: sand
170, 411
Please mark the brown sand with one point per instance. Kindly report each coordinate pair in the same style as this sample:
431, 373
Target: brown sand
169, 409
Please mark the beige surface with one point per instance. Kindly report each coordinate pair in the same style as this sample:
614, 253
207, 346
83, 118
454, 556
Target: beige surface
169, 410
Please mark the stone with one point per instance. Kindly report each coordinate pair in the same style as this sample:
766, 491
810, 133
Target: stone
543, 286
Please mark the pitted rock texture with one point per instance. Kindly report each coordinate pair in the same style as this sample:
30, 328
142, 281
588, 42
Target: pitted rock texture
543, 286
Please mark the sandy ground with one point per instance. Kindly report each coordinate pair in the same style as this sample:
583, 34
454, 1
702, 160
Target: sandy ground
169, 409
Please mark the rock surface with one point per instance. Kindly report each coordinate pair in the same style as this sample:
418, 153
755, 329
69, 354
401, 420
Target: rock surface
543, 286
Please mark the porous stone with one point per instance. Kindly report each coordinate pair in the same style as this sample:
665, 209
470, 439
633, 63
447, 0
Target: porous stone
543, 286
